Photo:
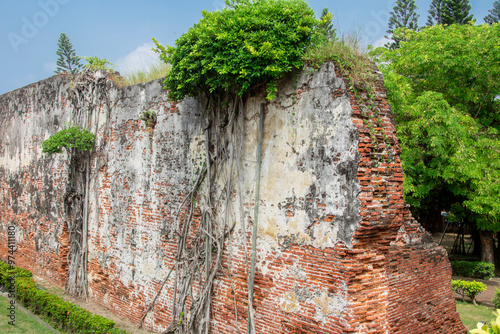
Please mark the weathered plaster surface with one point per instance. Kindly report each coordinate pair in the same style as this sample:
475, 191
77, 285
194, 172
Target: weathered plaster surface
335, 241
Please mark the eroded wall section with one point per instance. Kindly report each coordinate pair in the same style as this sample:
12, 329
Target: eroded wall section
338, 251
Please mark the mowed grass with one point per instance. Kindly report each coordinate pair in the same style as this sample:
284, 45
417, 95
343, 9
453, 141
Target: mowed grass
24, 323
471, 314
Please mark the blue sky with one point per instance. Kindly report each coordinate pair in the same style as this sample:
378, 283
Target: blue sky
121, 31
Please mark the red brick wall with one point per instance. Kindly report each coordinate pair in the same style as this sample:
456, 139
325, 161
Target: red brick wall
398, 262
32, 185
390, 277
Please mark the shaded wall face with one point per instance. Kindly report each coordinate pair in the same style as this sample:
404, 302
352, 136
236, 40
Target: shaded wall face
32, 184
336, 246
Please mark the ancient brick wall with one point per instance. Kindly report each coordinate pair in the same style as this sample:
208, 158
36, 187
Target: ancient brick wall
33, 185
338, 251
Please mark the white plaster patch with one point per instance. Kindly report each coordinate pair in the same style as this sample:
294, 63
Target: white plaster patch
328, 305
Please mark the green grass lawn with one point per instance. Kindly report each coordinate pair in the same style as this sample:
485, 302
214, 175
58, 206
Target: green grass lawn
471, 314
24, 323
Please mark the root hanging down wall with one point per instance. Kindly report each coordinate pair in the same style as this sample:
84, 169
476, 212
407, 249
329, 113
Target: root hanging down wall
337, 249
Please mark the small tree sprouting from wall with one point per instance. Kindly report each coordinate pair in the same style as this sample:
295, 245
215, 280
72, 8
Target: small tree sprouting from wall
78, 143
71, 138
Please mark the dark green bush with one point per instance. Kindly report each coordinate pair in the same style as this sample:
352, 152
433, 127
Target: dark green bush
476, 269
6, 272
56, 311
247, 43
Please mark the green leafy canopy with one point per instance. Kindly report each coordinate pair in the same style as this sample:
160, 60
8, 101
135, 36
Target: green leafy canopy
246, 43
443, 86
69, 138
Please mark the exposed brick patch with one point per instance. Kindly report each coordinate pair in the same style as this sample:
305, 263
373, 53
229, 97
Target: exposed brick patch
387, 277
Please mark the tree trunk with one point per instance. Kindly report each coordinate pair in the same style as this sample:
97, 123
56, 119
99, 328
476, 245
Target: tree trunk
475, 235
487, 247
431, 218
497, 251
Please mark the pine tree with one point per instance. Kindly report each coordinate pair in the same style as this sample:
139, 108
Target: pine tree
326, 25
67, 61
404, 15
435, 13
456, 11
494, 16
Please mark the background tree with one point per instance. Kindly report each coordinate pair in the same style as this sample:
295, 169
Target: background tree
404, 15
67, 61
456, 11
494, 16
443, 85
435, 13
325, 25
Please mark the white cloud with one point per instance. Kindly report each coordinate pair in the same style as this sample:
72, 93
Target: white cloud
140, 59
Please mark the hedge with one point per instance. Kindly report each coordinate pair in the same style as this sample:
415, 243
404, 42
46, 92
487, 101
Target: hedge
476, 269
61, 314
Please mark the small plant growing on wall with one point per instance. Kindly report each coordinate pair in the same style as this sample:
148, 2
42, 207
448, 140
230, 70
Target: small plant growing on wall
78, 142
96, 63
71, 138
149, 118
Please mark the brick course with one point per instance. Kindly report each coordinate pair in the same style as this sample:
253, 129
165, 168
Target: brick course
383, 276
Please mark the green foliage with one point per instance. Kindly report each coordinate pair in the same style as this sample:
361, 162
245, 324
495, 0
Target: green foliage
494, 14
67, 61
456, 11
149, 117
348, 54
97, 63
236, 48
470, 314
56, 311
496, 298
6, 272
492, 328
70, 138
25, 323
449, 12
435, 13
325, 25
404, 15
466, 288
474, 269
442, 86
